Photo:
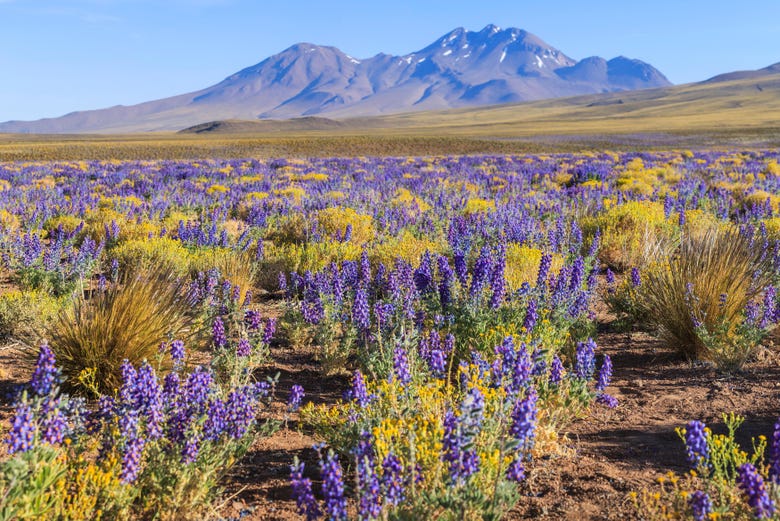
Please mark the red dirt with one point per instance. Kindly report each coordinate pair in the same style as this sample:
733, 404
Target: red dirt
612, 451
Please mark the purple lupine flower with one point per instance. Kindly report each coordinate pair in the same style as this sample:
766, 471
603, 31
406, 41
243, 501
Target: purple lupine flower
531, 316
437, 361
131, 460
577, 274
701, 505
696, 443
636, 279
333, 488
22, 434
521, 369
46, 374
239, 412
423, 275
303, 494
445, 285
607, 400
218, 333
516, 471
610, 276
296, 395
361, 313
392, 479
461, 464
461, 268
585, 359
752, 484
605, 374
524, 419
482, 269
401, 365
556, 371
260, 250
269, 330
216, 420
177, 351
449, 344
54, 425
359, 393
544, 270
244, 348
190, 450
774, 454
369, 491
197, 389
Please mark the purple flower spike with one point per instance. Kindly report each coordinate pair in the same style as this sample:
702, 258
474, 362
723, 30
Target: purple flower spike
303, 494
696, 443
46, 374
296, 395
752, 484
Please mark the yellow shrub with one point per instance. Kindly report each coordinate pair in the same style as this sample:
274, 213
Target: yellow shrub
522, 265
336, 219
405, 246
628, 230
284, 258
235, 266
404, 197
25, 314
634, 185
217, 189
296, 193
759, 197
255, 196
313, 177
8, 221
162, 252
478, 206
773, 167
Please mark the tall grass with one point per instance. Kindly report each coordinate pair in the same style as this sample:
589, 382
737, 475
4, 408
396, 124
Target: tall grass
705, 287
128, 320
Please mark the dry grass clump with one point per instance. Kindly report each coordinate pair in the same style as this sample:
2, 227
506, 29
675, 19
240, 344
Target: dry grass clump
705, 287
129, 320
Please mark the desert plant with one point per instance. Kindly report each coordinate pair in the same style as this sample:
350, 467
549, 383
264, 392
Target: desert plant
127, 321
24, 315
697, 299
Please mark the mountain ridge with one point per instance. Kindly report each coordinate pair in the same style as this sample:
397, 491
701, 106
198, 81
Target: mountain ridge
459, 69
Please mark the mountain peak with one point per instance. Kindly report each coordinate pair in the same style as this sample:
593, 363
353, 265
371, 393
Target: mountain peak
461, 68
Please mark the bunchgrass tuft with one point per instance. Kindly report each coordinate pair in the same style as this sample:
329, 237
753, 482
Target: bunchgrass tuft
697, 298
127, 321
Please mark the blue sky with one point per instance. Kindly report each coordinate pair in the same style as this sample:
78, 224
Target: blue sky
58, 56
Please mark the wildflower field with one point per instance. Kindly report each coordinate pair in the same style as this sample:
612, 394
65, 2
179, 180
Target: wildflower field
566, 336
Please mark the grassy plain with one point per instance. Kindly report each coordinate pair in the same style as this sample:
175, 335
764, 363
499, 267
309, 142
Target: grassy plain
731, 114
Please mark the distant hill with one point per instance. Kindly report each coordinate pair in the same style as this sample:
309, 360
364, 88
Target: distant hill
460, 69
236, 126
745, 75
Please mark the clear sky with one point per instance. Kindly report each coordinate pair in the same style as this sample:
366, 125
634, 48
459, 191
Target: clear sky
57, 56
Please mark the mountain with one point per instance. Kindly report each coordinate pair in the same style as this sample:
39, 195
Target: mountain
462, 68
